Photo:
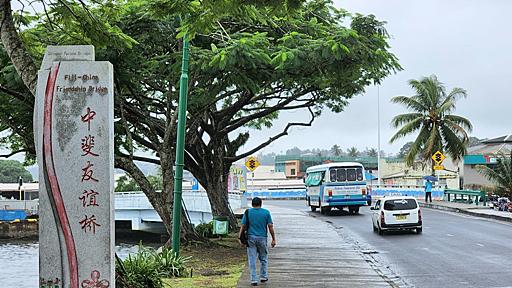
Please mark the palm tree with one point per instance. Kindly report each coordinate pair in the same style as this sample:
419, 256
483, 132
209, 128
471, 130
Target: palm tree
501, 174
336, 150
353, 152
431, 116
372, 152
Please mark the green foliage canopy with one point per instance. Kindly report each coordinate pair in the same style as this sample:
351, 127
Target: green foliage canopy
11, 170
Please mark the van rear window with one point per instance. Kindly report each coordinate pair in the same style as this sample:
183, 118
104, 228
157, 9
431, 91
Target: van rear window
400, 204
346, 174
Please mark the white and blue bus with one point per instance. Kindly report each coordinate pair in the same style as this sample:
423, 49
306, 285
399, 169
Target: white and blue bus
336, 185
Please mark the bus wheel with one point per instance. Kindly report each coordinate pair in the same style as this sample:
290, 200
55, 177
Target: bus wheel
313, 208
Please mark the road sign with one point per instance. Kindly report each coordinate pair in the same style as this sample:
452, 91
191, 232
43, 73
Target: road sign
438, 157
438, 167
252, 163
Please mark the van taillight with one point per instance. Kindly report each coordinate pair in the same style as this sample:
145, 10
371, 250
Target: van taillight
330, 193
363, 191
382, 217
419, 215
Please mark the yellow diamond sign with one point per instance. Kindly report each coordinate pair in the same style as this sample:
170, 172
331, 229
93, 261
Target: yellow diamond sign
252, 163
438, 157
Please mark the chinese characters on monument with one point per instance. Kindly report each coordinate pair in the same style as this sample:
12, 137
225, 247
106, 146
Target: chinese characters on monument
74, 132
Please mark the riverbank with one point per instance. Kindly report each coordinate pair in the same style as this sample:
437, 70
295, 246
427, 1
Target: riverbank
23, 229
218, 264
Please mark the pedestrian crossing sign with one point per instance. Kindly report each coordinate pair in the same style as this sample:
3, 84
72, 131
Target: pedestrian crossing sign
438, 157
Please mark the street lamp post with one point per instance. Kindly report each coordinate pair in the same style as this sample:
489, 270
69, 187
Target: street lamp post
378, 136
180, 149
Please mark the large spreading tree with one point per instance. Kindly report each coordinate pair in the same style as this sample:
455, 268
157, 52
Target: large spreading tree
248, 63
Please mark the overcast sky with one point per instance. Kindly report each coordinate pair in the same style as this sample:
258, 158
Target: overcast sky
466, 43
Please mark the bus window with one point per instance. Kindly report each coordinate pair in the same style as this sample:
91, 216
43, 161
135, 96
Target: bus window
332, 173
341, 175
359, 173
351, 174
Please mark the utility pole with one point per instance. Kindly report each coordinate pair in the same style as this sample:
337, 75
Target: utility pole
180, 149
378, 136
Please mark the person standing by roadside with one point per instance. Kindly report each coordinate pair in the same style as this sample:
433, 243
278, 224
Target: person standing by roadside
428, 191
257, 247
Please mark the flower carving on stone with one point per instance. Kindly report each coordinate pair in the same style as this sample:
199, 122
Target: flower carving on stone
95, 281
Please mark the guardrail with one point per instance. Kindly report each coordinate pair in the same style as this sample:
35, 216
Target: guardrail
277, 194
478, 196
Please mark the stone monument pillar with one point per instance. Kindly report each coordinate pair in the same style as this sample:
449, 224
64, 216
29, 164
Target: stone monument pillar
74, 133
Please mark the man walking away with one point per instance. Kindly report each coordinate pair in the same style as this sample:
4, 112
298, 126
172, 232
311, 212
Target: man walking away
259, 220
428, 191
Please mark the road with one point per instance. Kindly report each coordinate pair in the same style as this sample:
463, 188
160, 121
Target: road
453, 251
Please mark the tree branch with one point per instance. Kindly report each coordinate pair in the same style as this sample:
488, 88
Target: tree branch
13, 153
272, 139
237, 123
141, 158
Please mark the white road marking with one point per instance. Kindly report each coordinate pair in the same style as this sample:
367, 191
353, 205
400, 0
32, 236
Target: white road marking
450, 235
481, 245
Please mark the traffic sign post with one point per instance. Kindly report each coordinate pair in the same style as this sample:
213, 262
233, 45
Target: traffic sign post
438, 157
252, 163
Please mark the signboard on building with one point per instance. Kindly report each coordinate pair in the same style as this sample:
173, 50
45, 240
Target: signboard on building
73, 126
237, 180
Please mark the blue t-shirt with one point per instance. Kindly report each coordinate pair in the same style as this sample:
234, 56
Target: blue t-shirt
259, 218
428, 186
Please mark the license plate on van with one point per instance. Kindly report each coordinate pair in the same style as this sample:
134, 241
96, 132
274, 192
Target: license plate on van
400, 217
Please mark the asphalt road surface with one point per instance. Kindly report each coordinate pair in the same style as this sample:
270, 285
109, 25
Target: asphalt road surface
453, 251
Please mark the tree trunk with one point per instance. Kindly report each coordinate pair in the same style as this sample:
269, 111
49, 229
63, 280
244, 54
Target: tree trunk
216, 184
14, 47
217, 190
163, 208
167, 198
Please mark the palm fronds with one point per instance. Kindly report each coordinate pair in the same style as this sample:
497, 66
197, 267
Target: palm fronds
431, 114
501, 174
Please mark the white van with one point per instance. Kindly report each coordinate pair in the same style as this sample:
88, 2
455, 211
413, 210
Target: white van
396, 213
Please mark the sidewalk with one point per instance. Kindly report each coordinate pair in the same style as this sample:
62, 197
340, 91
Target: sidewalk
310, 253
469, 209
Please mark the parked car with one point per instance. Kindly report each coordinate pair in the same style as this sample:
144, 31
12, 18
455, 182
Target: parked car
396, 213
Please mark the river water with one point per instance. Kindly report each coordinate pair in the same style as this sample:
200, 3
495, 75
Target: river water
19, 262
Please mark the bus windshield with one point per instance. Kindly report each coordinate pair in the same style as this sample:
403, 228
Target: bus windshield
346, 174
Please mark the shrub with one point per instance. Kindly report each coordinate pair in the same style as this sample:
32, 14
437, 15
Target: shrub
139, 270
147, 267
169, 264
205, 229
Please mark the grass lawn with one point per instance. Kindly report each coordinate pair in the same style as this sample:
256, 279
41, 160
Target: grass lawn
219, 264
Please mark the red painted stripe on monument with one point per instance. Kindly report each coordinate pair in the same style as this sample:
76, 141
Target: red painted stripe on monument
52, 177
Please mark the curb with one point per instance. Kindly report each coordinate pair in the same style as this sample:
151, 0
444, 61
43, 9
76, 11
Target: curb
465, 211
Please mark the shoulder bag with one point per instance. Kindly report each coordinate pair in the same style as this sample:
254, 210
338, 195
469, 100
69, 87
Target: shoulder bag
244, 237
